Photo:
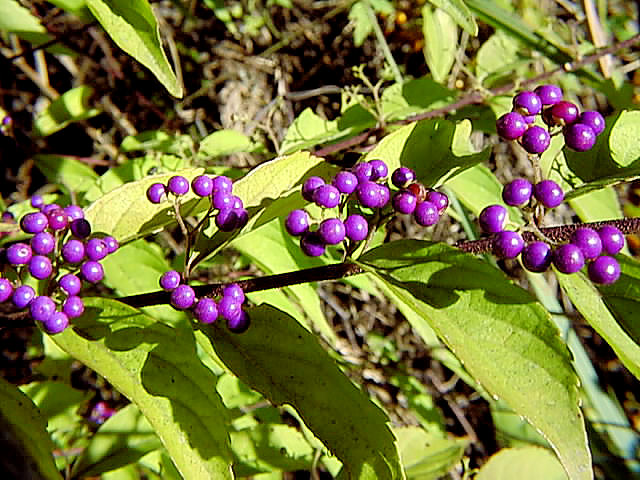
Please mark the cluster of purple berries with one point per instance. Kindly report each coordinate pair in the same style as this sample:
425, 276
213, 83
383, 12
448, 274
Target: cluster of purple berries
205, 309
365, 184
231, 214
579, 129
61, 253
585, 245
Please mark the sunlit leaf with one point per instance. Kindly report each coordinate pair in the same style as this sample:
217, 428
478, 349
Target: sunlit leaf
71, 106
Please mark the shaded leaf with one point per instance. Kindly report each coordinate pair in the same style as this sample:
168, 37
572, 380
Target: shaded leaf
414, 96
66, 171
426, 456
71, 106
224, 142
526, 463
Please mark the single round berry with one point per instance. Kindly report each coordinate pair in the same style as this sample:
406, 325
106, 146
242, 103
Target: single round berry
568, 258
363, 171
379, 169
157, 193
43, 243
579, 137
426, 214
332, 231
222, 200
517, 192
507, 244
383, 196
40, 267
369, 194
527, 103
236, 203
73, 251
549, 94
404, 202
536, 257
227, 219
222, 183
19, 254
548, 193
7, 217
34, 222
111, 243
70, 283
535, 140
41, 308
202, 185
243, 218
297, 222
178, 185
74, 212
612, 239
402, 176
562, 113
419, 190
37, 201
183, 297
593, 119
604, 270
588, 241
311, 244
206, 310
240, 324
326, 196
58, 219
438, 198
92, 271
6, 289
345, 182
73, 306
492, 218
56, 323
310, 185
49, 207
23, 295
511, 125
80, 228
96, 249
356, 227
170, 280
234, 291
229, 308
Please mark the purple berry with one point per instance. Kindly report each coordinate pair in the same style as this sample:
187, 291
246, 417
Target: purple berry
202, 185
529, 119
92, 271
593, 119
49, 207
439, 199
332, 231
234, 291
236, 203
58, 219
41, 308
507, 244
492, 218
404, 202
527, 103
111, 243
222, 200
229, 308
612, 239
6, 289
536, 257
70, 283
402, 177
549, 94
326, 196
74, 212
7, 217
535, 140
96, 249
297, 222
345, 182
170, 280
379, 169
310, 185
56, 323
227, 219
34, 222
369, 194
588, 241
604, 270
73, 306
562, 113
73, 250
517, 192
243, 218
23, 295
579, 137
383, 196
548, 193
183, 297
40, 267
311, 244
80, 228
43, 243
511, 125
356, 227
363, 171
19, 254
568, 258
426, 214
157, 193
206, 310
37, 201
222, 183
240, 324
178, 185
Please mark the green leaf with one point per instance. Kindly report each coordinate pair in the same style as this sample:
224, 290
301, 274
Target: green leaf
505, 339
440, 41
224, 142
623, 141
280, 359
133, 27
17, 19
496, 55
71, 106
309, 129
414, 96
597, 205
361, 21
527, 463
426, 456
66, 171
25, 435
459, 11
157, 368
157, 140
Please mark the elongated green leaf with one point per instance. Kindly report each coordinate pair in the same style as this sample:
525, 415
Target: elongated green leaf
498, 52
459, 11
66, 171
440, 41
504, 338
623, 141
158, 369
427, 456
279, 358
598, 205
133, 27
224, 142
527, 463
71, 106
17, 19
25, 436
